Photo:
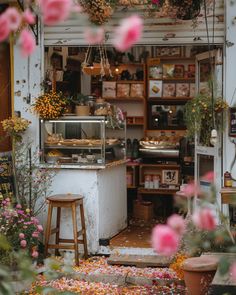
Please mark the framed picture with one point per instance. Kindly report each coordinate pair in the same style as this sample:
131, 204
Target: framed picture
123, 90
109, 89
168, 90
168, 70
175, 51
165, 51
155, 88
179, 71
232, 122
182, 90
155, 72
136, 90
170, 177
191, 71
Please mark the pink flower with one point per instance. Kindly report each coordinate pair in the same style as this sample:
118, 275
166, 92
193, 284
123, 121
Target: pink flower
23, 243
40, 228
191, 189
55, 11
27, 42
165, 240
14, 18
156, 2
209, 177
204, 219
233, 271
94, 36
18, 206
29, 17
35, 234
7, 200
35, 254
21, 236
177, 223
77, 8
128, 33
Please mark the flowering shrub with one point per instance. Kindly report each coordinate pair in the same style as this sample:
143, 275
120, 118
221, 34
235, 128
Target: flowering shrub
15, 126
50, 105
176, 265
200, 231
21, 229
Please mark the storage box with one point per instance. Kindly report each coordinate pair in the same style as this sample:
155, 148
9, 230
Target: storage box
143, 210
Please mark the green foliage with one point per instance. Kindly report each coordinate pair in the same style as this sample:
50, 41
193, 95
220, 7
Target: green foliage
202, 115
80, 99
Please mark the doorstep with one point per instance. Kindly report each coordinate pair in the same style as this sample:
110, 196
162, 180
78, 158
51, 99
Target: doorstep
109, 250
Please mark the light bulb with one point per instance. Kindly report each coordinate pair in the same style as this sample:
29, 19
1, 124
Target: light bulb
117, 70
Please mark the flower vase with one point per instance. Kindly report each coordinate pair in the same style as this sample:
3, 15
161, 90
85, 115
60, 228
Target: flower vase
199, 273
82, 110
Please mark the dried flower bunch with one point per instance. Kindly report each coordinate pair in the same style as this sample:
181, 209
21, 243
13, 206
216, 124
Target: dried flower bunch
50, 105
15, 126
21, 229
130, 2
99, 11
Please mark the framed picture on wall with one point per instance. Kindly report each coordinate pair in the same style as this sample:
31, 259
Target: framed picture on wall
155, 88
170, 176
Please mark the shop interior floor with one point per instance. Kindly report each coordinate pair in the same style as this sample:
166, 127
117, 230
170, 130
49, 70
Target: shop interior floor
137, 235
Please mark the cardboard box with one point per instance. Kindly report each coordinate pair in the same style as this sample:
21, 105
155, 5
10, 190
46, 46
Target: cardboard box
143, 210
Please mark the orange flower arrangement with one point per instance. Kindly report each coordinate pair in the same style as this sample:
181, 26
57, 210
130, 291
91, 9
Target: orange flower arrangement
50, 105
177, 265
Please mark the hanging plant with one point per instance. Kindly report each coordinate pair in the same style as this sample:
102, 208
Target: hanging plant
99, 11
186, 9
202, 115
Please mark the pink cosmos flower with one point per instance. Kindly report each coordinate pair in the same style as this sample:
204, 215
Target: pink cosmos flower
128, 33
177, 223
35, 254
55, 11
204, 219
191, 189
77, 8
4, 27
23, 243
21, 236
40, 228
94, 36
14, 18
165, 240
18, 206
209, 177
233, 271
156, 2
27, 42
29, 17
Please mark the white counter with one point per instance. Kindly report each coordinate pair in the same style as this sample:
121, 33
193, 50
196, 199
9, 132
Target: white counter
105, 201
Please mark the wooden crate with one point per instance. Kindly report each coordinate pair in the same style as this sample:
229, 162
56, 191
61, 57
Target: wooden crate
143, 210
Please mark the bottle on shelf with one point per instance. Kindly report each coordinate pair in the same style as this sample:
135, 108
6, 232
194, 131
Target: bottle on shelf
135, 151
129, 148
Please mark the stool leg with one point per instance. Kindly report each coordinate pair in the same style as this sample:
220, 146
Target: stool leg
84, 230
48, 228
57, 253
74, 221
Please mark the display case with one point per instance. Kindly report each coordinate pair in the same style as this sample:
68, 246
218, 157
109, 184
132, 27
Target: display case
81, 141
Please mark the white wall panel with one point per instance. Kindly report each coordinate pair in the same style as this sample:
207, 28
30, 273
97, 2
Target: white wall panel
156, 30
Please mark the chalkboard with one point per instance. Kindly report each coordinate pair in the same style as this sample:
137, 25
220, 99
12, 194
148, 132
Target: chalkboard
6, 176
232, 122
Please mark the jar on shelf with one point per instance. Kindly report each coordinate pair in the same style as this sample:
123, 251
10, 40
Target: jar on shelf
101, 107
156, 181
227, 179
147, 180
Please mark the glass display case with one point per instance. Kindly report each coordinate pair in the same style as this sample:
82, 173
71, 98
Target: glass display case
75, 140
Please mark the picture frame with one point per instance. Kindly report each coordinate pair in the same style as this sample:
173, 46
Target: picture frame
109, 89
168, 71
155, 72
123, 90
169, 90
179, 71
191, 70
182, 89
136, 90
155, 89
232, 122
170, 176
175, 51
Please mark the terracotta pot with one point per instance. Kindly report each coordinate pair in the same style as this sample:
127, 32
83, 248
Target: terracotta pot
199, 273
82, 110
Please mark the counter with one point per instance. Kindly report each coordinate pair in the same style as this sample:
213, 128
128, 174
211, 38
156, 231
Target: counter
105, 199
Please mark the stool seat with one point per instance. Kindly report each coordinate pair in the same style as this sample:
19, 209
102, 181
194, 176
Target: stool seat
65, 198
69, 201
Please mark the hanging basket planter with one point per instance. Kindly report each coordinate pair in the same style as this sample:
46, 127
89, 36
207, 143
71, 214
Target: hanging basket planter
186, 9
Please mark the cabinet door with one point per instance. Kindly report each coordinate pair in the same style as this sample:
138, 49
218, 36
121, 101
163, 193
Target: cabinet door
209, 77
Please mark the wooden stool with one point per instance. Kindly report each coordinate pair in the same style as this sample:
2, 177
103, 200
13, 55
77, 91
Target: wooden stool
66, 201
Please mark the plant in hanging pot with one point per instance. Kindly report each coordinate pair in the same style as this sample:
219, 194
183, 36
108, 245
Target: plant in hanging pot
202, 115
81, 105
186, 9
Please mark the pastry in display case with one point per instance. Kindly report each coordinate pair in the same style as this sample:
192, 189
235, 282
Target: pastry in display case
80, 141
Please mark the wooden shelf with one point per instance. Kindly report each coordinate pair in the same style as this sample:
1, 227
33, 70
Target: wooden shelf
128, 99
131, 187
182, 58
165, 100
173, 79
129, 82
160, 191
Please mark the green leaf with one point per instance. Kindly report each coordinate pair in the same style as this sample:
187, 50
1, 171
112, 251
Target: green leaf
224, 265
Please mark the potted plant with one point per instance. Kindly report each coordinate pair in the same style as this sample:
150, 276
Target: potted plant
202, 114
81, 105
